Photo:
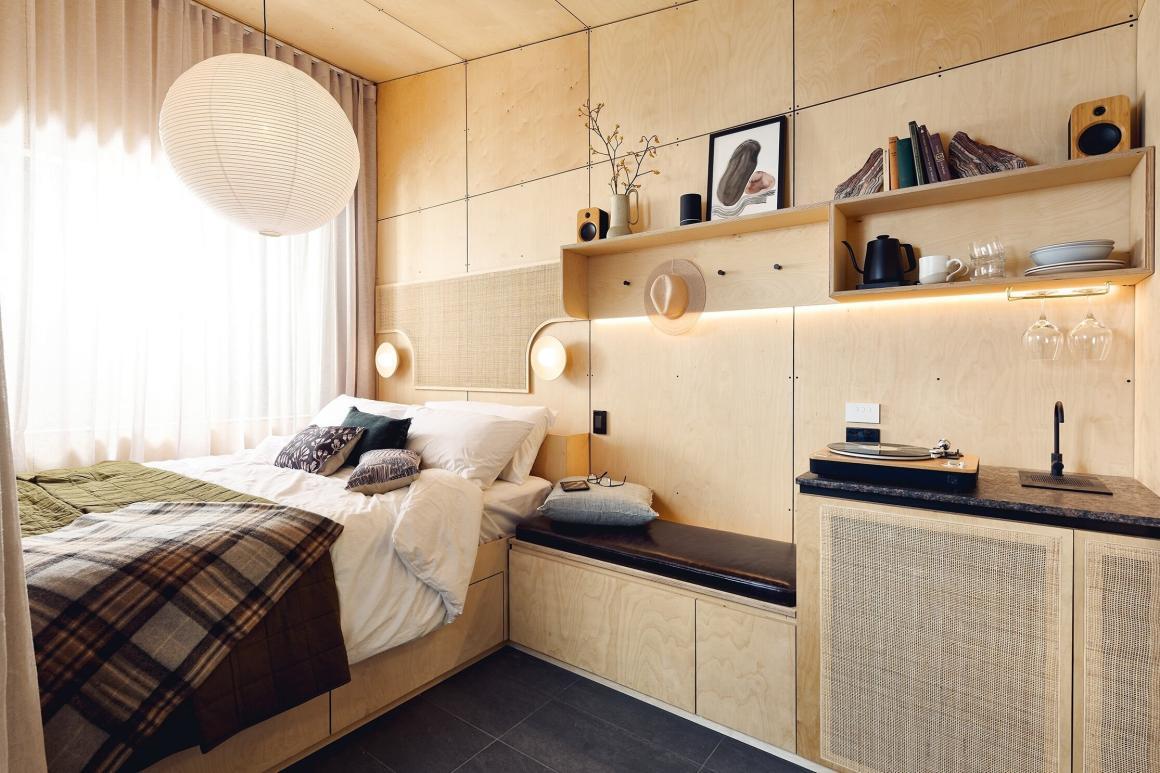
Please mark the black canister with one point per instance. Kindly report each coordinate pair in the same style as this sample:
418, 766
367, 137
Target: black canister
690, 208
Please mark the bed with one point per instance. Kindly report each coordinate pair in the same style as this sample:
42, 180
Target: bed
421, 578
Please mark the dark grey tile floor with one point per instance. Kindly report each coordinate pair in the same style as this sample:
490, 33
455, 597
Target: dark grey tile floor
513, 713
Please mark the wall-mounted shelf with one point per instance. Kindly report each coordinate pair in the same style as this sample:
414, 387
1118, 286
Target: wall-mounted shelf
1101, 197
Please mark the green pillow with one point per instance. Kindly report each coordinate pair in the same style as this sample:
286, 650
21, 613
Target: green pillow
380, 432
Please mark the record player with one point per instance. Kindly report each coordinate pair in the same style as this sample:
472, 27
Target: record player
893, 464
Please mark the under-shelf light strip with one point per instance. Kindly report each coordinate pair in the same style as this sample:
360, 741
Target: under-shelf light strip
1065, 292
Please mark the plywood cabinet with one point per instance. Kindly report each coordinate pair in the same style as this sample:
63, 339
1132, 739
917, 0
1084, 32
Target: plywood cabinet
745, 671
1117, 654
632, 632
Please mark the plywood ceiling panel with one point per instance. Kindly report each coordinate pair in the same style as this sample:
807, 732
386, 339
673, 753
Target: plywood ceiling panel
847, 46
351, 34
473, 28
594, 12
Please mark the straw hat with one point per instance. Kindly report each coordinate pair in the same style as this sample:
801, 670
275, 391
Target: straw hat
674, 296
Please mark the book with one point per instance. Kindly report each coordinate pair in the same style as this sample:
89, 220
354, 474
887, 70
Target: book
916, 151
928, 168
940, 157
892, 163
906, 176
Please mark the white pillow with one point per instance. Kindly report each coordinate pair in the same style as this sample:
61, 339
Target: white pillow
333, 413
471, 445
541, 418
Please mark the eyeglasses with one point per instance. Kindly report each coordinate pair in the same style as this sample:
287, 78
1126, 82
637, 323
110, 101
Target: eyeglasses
603, 480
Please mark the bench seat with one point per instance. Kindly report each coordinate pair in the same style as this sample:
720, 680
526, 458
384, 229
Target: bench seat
752, 567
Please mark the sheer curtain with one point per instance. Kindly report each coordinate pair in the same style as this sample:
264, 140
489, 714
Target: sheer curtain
139, 324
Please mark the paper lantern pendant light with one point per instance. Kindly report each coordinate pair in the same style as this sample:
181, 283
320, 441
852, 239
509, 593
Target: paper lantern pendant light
261, 142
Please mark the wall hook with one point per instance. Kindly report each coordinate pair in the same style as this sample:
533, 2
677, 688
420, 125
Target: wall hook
720, 272
627, 283
777, 267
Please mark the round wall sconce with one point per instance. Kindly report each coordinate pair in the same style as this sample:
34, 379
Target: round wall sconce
549, 358
386, 359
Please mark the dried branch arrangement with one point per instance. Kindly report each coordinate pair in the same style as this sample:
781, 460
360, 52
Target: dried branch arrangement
627, 166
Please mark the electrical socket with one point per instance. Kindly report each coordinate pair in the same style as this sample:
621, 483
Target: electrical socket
863, 413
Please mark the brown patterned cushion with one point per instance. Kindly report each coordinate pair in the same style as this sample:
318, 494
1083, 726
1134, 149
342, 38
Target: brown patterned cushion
385, 470
321, 450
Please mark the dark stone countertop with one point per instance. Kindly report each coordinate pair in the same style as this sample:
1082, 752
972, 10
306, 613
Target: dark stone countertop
1131, 509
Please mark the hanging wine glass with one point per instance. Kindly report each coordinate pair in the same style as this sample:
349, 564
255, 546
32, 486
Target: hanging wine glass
1043, 341
1090, 339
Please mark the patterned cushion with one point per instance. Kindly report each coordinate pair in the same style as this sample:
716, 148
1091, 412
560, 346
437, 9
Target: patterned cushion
319, 449
386, 470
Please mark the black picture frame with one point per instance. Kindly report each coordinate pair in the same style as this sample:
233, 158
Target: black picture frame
756, 131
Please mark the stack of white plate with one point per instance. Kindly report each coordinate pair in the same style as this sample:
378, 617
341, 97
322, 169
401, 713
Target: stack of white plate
1087, 255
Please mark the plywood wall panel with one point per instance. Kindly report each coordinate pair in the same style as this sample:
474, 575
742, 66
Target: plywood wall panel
425, 245
422, 122
843, 47
526, 223
522, 120
1020, 102
568, 395
1148, 291
955, 368
692, 69
473, 28
704, 419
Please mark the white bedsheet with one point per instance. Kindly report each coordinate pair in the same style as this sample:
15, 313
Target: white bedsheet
404, 559
506, 504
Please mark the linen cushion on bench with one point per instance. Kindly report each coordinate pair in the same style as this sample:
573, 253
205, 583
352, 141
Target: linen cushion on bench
753, 567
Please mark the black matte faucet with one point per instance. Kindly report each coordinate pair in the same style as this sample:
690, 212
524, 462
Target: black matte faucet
1057, 457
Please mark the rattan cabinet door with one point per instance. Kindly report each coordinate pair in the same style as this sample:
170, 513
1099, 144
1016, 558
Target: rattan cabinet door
1117, 663
945, 642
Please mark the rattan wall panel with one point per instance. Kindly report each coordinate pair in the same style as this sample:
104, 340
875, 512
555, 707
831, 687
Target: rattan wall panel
941, 645
1121, 658
473, 331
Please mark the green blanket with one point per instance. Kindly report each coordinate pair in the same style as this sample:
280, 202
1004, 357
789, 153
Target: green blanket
51, 499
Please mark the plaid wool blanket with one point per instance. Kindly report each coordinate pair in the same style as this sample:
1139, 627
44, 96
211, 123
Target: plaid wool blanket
132, 610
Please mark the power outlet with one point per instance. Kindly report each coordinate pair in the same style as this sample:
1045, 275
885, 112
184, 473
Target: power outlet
863, 413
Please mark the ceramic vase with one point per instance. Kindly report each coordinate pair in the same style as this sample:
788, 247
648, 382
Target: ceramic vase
620, 215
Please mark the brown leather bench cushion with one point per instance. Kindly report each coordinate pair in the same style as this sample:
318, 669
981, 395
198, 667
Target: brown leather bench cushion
757, 568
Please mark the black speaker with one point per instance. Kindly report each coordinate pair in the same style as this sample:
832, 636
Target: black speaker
690, 208
591, 223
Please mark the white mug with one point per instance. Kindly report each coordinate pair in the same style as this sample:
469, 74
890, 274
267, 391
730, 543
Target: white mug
932, 269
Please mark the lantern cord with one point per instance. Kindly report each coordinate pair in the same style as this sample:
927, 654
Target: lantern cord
265, 52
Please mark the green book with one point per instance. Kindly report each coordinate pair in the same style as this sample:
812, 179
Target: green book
906, 178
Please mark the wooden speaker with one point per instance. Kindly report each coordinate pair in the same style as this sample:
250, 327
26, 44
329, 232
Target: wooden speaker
591, 223
1100, 126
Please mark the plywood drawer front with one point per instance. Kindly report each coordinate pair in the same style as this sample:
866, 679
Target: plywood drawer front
635, 633
388, 676
745, 672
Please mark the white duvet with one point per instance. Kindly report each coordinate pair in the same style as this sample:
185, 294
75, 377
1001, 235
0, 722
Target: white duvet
404, 559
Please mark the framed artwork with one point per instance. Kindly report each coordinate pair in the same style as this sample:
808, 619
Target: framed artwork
745, 169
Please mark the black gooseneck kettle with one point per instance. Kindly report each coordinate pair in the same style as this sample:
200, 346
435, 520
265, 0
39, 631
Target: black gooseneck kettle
883, 260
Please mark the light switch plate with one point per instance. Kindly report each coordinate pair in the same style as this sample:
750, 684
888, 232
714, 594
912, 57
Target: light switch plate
863, 413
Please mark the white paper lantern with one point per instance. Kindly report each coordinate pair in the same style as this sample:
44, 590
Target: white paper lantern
260, 142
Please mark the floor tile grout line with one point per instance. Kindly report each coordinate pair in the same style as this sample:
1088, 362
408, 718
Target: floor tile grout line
458, 767
640, 738
706, 762
525, 754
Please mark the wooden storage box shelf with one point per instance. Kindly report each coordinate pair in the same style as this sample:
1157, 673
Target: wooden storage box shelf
1100, 197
